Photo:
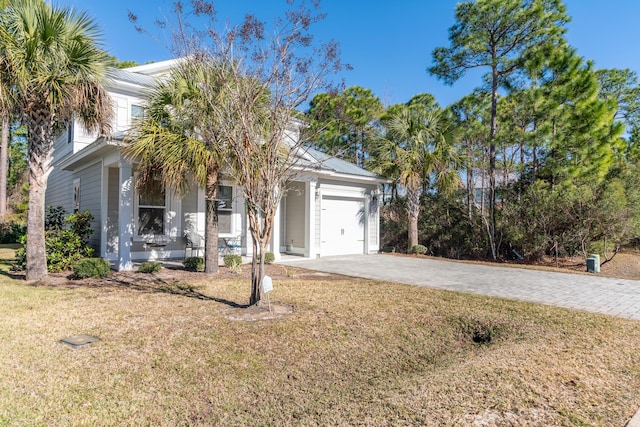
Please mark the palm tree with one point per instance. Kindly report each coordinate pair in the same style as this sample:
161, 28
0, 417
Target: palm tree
417, 147
5, 115
55, 65
176, 141
6, 105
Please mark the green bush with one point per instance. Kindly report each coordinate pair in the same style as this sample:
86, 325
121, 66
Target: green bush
150, 267
11, 232
64, 246
269, 257
418, 249
91, 267
194, 263
232, 261
54, 218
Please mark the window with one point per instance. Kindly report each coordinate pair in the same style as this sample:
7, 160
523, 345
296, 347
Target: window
76, 195
151, 208
137, 112
70, 132
225, 208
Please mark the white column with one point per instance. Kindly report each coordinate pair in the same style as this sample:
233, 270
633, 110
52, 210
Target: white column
275, 234
104, 211
367, 222
202, 208
125, 217
310, 219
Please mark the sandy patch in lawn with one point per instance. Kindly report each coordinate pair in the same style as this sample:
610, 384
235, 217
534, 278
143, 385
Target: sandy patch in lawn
264, 312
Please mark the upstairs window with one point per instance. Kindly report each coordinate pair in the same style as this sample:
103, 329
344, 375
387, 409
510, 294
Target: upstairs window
70, 132
137, 112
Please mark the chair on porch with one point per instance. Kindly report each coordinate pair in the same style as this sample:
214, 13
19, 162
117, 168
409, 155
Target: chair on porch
196, 245
228, 245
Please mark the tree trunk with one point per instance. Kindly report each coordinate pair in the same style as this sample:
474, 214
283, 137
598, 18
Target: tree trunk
534, 152
211, 226
413, 211
4, 155
492, 159
522, 160
255, 283
257, 291
259, 249
39, 159
254, 228
470, 189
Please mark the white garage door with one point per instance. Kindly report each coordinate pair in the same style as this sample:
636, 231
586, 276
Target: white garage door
341, 226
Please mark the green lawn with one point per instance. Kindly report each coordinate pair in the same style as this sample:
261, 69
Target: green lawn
353, 352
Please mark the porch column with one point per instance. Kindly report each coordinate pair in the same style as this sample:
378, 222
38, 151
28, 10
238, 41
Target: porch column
275, 234
125, 217
310, 219
367, 223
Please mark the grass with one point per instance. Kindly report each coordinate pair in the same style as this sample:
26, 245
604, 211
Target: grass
355, 352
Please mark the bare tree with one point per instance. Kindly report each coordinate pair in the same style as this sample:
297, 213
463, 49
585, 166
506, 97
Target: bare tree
264, 73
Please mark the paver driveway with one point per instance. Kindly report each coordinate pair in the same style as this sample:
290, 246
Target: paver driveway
616, 297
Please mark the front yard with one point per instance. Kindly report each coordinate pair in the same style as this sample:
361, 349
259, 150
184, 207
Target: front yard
353, 352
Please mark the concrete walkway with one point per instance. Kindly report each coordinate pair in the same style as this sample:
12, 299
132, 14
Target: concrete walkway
615, 297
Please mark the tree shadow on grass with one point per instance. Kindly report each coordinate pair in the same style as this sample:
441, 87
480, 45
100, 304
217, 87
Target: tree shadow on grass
178, 288
6, 269
136, 282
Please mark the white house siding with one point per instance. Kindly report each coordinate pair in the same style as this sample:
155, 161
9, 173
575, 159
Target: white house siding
91, 198
60, 183
294, 233
60, 190
190, 210
61, 146
122, 101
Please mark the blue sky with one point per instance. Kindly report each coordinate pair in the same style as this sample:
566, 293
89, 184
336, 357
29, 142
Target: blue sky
389, 44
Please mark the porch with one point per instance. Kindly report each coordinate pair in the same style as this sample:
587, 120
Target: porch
154, 223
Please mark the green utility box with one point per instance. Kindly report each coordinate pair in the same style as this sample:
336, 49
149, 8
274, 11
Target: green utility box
593, 263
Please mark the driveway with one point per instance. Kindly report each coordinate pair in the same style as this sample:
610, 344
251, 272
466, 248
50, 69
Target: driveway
615, 297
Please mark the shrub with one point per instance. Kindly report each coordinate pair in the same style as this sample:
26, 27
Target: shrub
269, 257
54, 218
233, 262
64, 246
92, 267
194, 263
11, 232
418, 249
150, 267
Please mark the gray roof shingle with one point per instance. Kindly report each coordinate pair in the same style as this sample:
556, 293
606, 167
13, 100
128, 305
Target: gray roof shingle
134, 78
330, 163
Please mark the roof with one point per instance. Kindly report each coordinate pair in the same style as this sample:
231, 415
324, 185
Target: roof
134, 78
92, 152
155, 67
143, 75
334, 164
309, 159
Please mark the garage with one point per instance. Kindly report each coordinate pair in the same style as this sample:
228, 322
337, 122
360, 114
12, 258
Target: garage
342, 229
